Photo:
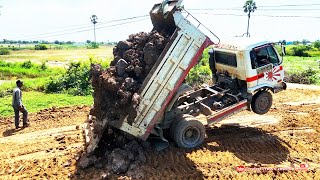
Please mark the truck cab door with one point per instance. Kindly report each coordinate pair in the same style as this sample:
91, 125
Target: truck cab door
268, 65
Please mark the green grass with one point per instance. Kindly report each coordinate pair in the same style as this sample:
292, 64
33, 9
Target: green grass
17, 70
36, 101
37, 84
293, 64
297, 66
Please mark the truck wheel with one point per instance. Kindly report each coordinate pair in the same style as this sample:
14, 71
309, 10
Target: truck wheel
189, 133
261, 102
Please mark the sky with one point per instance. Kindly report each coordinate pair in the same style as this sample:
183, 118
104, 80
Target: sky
69, 20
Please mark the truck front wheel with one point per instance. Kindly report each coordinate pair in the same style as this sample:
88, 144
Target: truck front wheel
188, 133
261, 102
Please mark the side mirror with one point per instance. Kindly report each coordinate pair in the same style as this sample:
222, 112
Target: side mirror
283, 50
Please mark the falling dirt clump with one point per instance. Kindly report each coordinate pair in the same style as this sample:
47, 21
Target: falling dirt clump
116, 88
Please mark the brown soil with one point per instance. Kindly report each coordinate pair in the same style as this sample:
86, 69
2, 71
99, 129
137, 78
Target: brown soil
52, 145
116, 88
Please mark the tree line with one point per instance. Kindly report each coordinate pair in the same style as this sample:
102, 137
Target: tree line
7, 41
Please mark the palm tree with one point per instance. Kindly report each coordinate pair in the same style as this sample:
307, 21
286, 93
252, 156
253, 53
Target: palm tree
94, 19
249, 7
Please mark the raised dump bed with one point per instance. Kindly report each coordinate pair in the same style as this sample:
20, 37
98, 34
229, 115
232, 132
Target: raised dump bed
182, 52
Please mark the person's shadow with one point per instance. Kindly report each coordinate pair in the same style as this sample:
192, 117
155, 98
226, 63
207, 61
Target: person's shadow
10, 132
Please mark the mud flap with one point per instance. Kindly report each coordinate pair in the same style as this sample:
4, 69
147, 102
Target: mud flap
160, 143
92, 139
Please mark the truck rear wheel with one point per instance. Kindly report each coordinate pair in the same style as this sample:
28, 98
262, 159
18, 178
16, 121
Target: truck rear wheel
261, 102
188, 133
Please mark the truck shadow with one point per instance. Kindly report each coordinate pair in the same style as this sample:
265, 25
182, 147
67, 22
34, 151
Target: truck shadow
252, 145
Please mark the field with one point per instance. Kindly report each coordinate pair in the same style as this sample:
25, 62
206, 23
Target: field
58, 57
295, 64
286, 137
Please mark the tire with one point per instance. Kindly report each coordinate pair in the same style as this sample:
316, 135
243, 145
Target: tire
261, 102
175, 122
189, 133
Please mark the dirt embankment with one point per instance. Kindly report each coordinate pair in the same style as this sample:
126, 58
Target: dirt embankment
116, 88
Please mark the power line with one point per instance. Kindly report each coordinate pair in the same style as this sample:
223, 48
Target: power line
124, 19
288, 9
225, 14
119, 24
237, 9
290, 5
271, 6
84, 27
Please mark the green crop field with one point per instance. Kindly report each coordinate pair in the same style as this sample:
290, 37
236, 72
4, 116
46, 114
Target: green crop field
296, 64
54, 56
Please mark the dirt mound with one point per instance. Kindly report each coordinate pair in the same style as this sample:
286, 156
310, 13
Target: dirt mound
116, 98
115, 88
119, 153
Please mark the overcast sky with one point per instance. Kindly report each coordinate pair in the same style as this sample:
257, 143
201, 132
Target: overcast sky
48, 19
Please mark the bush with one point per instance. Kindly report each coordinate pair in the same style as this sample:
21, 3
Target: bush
301, 51
75, 81
4, 51
93, 45
40, 47
200, 73
309, 76
43, 66
27, 64
317, 44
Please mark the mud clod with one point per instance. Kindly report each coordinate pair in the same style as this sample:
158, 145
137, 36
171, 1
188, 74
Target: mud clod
120, 161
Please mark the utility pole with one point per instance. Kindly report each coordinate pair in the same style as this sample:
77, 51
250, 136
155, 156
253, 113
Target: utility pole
94, 19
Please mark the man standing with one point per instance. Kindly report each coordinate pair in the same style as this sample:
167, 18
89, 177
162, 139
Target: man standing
18, 106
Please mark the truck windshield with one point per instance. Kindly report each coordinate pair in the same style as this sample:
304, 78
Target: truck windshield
263, 56
225, 58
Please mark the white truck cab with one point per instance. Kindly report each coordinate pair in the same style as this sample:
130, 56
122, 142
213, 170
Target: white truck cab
251, 66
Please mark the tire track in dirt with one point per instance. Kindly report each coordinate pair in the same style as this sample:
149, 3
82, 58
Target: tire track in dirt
171, 163
249, 144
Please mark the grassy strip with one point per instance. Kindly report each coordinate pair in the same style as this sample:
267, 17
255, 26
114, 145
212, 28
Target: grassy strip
295, 64
26, 69
36, 101
305, 70
18, 72
104, 53
37, 84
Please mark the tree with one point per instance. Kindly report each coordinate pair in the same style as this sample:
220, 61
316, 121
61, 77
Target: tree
296, 42
305, 41
249, 7
317, 44
88, 41
94, 19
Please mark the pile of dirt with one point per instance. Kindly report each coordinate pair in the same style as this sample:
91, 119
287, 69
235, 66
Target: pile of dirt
118, 153
116, 88
116, 97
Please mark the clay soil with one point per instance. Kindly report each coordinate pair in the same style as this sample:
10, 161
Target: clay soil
52, 145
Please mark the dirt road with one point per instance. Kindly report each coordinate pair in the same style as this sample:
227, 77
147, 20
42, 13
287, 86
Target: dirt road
288, 136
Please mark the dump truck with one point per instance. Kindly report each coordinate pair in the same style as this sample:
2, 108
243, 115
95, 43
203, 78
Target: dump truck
244, 73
